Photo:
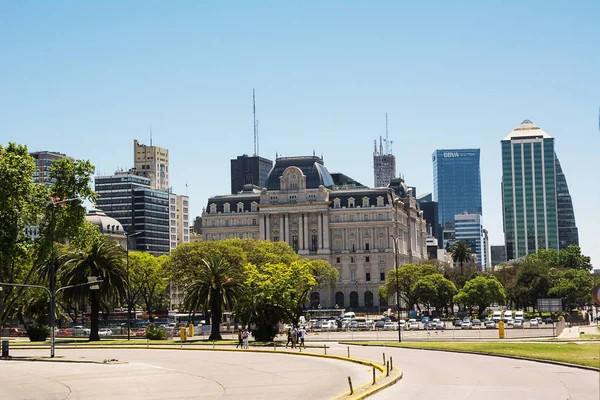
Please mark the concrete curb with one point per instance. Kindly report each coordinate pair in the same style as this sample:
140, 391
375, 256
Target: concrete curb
539, 360
360, 392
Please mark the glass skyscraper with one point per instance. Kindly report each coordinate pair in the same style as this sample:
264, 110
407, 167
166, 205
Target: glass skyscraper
567, 229
456, 185
529, 191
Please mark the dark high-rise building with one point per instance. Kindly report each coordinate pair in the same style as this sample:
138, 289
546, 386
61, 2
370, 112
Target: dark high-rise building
247, 170
129, 199
498, 255
456, 186
43, 161
567, 228
430, 214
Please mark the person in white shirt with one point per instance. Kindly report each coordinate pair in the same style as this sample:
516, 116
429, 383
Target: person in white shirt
302, 335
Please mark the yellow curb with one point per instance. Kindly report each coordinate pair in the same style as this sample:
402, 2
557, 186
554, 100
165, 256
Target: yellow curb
346, 395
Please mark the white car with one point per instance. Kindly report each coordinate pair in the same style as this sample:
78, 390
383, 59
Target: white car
402, 324
438, 323
533, 322
466, 324
413, 326
388, 326
79, 330
510, 322
105, 332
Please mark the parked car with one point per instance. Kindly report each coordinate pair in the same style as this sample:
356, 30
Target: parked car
549, 321
518, 323
388, 326
402, 324
490, 324
510, 322
438, 323
457, 323
79, 330
379, 325
413, 326
425, 320
533, 323
476, 322
466, 325
63, 333
105, 332
140, 332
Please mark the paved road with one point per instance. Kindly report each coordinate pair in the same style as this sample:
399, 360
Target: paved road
174, 374
439, 375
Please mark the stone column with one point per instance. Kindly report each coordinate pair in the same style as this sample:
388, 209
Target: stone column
287, 229
268, 234
306, 232
326, 230
320, 231
261, 227
281, 228
300, 232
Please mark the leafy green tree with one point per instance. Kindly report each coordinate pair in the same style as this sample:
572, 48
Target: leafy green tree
574, 286
507, 275
217, 284
546, 257
21, 205
435, 290
481, 292
408, 276
102, 258
273, 293
534, 280
571, 257
148, 277
461, 253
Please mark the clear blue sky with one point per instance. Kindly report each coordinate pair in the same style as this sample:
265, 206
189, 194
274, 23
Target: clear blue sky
86, 78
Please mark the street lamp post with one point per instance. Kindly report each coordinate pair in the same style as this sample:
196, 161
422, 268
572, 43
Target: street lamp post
129, 306
94, 285
395, 241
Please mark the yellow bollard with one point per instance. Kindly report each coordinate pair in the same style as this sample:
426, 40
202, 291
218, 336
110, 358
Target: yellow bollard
191, 330
182, 334
501, 329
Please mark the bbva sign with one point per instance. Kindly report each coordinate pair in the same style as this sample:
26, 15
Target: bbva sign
451, 154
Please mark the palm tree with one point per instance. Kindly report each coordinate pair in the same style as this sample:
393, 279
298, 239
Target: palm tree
104, 259
217, 285
461, 253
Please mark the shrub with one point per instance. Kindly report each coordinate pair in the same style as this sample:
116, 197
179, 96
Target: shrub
155, 333
38, 333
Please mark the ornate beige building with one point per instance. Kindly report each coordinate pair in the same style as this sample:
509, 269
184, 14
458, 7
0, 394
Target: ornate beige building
351, 226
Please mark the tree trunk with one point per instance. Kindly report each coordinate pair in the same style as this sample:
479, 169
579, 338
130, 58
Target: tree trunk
215, 331
94, 313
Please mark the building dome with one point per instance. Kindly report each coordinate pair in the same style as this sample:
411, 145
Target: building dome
107, 225
312, 167
399, 187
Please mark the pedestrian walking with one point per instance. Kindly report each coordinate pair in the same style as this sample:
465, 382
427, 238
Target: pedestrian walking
294, 337
245, 336
240, 340
289, 337
302, 335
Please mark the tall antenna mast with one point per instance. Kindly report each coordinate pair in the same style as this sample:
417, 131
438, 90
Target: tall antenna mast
254, 115
257, 142
387, 141
150, 135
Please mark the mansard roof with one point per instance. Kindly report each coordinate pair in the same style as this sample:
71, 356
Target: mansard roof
311, 166
358, 195
233, 200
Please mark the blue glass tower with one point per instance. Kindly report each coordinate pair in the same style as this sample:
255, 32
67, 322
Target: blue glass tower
456, 184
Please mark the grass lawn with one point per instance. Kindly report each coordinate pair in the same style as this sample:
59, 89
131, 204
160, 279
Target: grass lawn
587, 354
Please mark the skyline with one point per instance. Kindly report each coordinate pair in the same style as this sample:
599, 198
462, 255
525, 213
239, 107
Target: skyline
88, 79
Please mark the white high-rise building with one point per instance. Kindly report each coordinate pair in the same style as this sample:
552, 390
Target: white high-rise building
179, 220
468, 229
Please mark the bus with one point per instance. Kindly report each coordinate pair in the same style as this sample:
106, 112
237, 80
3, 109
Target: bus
185, 319
325, 313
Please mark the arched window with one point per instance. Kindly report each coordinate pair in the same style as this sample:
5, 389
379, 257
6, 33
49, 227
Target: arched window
336, 202
351, 202
254, 206
213, 208
339, 299
226, 208
315, 300
365, 201
369, 299
353, 300
240, 207
379, 201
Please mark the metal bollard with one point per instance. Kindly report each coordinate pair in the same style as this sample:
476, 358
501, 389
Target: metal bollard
348, 351
350, 383
373, 375
383, 358
387, 369
391, 363
325, 348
